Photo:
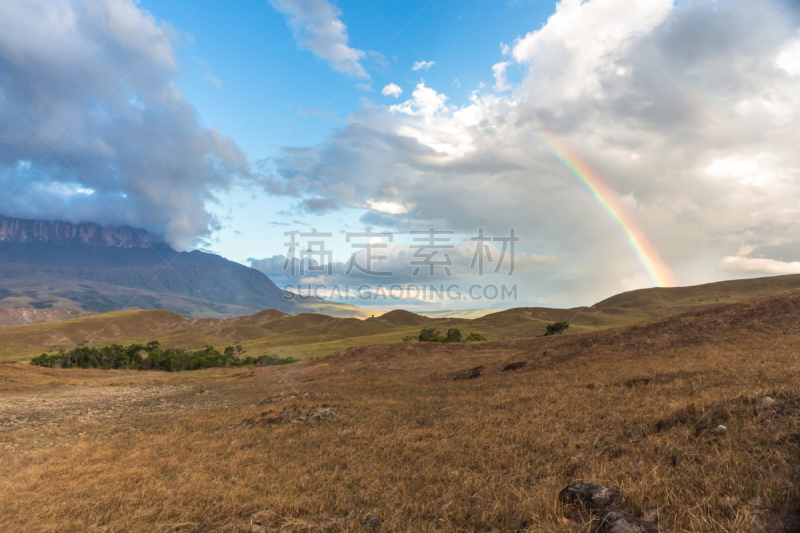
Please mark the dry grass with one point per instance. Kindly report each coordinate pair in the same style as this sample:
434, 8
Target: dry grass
385, 430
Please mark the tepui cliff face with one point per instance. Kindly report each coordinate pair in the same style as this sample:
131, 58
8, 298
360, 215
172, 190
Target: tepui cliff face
63, 233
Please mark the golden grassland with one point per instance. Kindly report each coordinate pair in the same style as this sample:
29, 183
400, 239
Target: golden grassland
387, 431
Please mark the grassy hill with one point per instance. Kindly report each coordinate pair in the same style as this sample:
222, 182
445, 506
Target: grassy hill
309, 335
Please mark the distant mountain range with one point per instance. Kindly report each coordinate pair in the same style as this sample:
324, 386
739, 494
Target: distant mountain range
100, 269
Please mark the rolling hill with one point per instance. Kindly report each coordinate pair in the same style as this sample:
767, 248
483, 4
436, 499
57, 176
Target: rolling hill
310, 335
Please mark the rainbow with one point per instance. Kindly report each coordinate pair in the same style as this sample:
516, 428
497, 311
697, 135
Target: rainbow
658, 271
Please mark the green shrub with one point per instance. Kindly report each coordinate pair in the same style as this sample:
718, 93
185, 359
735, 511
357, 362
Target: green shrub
556, 328
430, 335
453, 335
473, 337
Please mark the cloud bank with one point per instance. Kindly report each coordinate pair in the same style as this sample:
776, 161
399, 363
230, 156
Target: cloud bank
95, 79
686, 112
394, 264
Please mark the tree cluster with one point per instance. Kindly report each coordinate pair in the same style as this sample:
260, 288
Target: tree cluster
453, 335
150, 356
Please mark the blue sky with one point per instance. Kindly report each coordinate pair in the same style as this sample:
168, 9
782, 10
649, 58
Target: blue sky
274, 91
627, 142
278, 85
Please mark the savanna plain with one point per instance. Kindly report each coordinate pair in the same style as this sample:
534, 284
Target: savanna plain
693, 417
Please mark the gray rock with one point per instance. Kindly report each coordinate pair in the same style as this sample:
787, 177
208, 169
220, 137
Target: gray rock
372, 524
590, 495
470, 374
617, 521
514, 366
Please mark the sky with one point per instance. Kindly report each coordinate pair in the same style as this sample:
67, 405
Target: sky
598, 146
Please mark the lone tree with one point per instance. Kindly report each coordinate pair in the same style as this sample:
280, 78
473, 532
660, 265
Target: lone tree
556, 328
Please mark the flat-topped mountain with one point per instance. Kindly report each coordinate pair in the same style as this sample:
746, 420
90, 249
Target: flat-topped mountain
64, 233
104, 269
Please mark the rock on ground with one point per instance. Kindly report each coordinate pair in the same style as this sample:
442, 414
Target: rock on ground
618, 521
372, 524
591, 496
470, 374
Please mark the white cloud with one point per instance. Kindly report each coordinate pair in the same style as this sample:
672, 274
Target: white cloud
423, 65
563, 55
425, 102
789, 58
392, 90
364, 87
317, 27
383, 206
740, 265
499, 71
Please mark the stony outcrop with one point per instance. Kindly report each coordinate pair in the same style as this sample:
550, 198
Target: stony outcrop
599, 506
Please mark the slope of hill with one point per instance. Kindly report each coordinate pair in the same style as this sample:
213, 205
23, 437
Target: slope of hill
657, 302
308, 335
15, 316
635, 306
53, 264
400, 317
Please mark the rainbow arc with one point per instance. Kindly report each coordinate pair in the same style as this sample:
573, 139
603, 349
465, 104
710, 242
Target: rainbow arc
656, 269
